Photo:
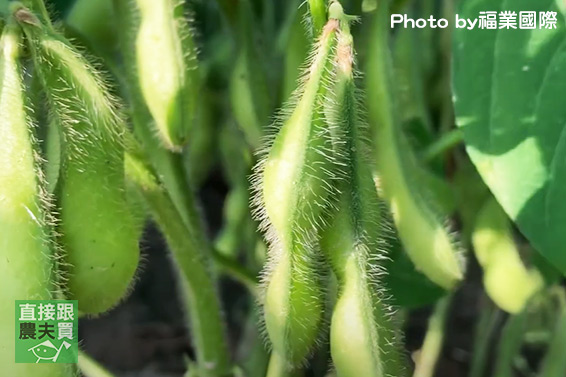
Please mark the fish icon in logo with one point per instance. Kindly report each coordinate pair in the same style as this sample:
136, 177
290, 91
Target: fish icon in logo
47, 351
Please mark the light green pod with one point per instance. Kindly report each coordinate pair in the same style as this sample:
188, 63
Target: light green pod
427, 242
167, 68
97, 229
362, 339
295, 184
26, 254
505, 278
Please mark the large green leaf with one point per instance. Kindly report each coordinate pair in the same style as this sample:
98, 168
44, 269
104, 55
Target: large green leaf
510, 98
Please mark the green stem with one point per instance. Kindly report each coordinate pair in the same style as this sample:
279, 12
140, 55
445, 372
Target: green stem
318, 13
510, 344
237, 272
446, 142
554, 363
434, 339
277, 366
197, 282
90, 368
174, 208
483, 337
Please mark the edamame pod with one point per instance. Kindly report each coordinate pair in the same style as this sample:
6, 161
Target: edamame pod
167, 68
505, 278
26, 252
423, 234
97, 230
293, 188
362, 339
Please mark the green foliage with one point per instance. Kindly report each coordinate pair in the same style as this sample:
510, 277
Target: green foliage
362, 201
508, 86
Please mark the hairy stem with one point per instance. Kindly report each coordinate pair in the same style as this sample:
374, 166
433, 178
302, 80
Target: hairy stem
197, 282
446, 142
174, 207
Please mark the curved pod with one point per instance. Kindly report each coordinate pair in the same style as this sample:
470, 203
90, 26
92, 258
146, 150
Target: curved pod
98, 233
167, 68
26, 255
295, 184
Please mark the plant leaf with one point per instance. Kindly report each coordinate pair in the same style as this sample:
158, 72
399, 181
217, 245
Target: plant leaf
509, 90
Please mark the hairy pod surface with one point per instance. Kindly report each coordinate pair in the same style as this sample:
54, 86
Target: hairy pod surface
362, 339
97, 230
293, 192
26, 254
506, 279
167, 68
427, 242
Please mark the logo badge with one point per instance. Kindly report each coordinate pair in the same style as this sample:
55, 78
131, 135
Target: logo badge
46, 331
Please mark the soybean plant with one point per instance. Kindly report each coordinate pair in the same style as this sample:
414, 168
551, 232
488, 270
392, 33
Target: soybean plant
98, 235
355, 239
86, 159
293, 185
167, 67
425, 238
24, 225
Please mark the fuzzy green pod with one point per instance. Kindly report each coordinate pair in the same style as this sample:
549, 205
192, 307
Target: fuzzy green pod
362, 339
26, 253
167, 68
97, 230
293, 188
506, 279
426, 240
